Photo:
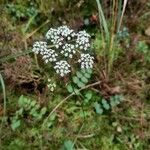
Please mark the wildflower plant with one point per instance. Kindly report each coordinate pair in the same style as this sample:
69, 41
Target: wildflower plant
63, 47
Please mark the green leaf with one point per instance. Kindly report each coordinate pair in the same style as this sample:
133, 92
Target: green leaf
15, 124
21, 100
104, 101
88, 95
37, 106
79, 74
85, 80
112, 102
53, 117
98, 108
86, 100
76, 80
76, 91
68, 145
33, 103
43, 110
87, 75
89, 71
69, 88
83, 71
34, 112
80, 84
106, 106
20, 111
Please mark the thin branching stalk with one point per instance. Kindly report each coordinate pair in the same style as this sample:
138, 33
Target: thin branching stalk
65, 99
75, 140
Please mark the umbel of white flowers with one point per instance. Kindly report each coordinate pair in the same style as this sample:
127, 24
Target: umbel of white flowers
62, 44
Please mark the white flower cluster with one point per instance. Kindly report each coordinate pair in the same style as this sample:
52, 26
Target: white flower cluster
62, 68
83, 40
51, 85
66, 32
39, 47
64, 43
68, 50
49, 55
53, 36
59, 35
86, 61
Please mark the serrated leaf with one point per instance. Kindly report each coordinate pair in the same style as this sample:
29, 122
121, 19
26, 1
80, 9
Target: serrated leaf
80, 84
79, 74
69, 88
98, 108
85, 80
76, 80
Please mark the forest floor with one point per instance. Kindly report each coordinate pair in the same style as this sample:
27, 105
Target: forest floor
36, 115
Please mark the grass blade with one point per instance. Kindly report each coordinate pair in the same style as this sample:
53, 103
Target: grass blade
4, 93
122, 14
4, 97
102, 19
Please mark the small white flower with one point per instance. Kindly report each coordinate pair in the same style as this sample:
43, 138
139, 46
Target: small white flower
62, 68
69, 38
68, 50
86, 61
50, 55
39, 47
83, 40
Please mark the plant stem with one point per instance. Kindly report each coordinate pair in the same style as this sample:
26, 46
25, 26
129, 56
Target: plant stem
65, 99
111, 45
